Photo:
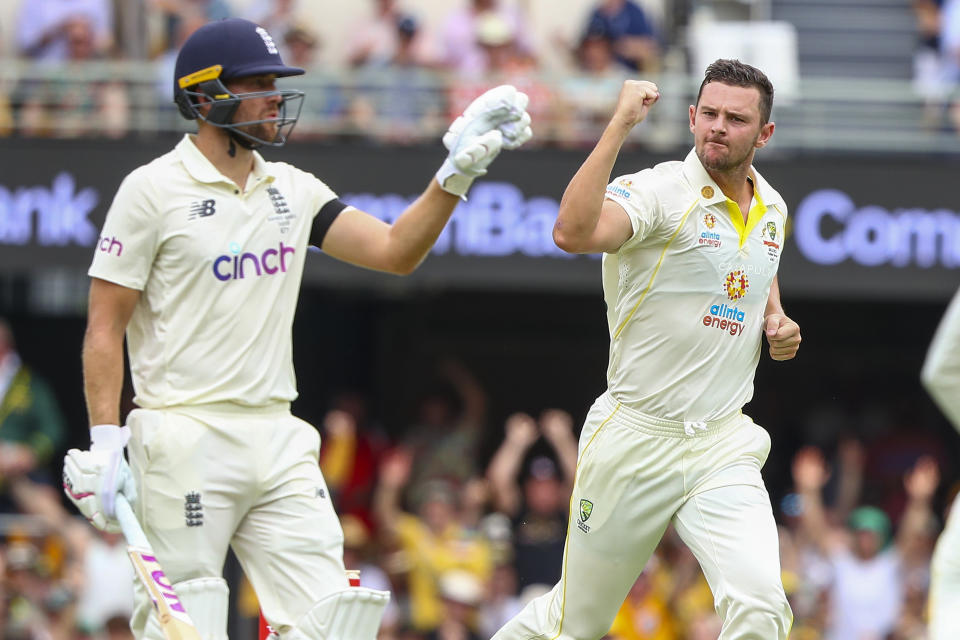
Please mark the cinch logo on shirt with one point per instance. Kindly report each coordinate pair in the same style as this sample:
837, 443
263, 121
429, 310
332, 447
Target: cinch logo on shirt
107, 245
242, 265
725, 318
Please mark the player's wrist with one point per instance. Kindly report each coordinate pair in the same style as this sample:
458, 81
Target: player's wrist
108, 436
452, 180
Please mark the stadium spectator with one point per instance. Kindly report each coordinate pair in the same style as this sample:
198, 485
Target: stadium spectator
31, 425
645, 614
867, 591
539, 508
278, 17
504, 61
44, 28
461, 50
389, 37
300, 46
63, 104
434, 541
590, 94
350, 455
451, 414
633, 34
170, 13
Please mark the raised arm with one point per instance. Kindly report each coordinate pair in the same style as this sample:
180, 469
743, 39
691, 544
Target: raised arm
557, 427
809, 476
586, 222
504, 469
920, 483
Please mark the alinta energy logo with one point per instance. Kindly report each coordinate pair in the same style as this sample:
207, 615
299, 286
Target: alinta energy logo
729, 319
621, 188
736, 284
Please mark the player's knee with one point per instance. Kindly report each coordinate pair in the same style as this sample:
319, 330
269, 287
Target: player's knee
205, 601
352, 614
760, 616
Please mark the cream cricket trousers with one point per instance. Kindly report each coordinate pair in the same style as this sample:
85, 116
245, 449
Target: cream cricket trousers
222, 475
636, 475
945, 581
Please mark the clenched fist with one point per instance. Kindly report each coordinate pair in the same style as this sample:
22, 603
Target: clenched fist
636, 98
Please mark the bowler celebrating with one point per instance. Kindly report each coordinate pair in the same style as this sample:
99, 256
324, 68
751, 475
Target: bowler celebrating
691, 250
199, 264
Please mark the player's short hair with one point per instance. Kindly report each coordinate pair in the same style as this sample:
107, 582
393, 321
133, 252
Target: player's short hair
739, 74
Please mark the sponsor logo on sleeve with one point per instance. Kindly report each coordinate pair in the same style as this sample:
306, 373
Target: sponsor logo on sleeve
110, 245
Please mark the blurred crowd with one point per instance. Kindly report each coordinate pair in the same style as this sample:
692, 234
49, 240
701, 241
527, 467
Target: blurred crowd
398, 82
464, 521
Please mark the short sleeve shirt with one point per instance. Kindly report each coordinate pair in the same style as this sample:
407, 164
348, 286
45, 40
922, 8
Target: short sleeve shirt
686, 293
219, 272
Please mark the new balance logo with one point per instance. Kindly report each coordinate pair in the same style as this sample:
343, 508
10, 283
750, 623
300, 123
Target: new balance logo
202, 209
193, 509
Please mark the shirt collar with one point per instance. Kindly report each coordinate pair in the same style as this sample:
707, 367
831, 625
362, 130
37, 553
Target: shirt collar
710, 193
202, 170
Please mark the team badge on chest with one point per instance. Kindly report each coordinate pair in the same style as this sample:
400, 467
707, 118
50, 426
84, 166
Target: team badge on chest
281, 212
771, 240
709, 235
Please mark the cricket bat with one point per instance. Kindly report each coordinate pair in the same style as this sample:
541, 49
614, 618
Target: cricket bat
174, 621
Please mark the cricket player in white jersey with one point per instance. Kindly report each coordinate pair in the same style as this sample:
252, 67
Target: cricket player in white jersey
941, 377
690, 259
200, 263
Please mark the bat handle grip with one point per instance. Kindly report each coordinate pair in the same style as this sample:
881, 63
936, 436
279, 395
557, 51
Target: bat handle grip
132, 530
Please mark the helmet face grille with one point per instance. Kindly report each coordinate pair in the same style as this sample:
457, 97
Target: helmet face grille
220, 107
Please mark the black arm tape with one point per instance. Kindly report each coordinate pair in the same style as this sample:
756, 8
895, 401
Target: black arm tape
324, 218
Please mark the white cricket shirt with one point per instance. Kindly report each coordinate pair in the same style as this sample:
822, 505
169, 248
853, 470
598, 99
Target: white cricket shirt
686, 293
219, 270
941, 369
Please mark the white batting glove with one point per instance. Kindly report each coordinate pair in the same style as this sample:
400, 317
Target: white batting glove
495, 120
92, 479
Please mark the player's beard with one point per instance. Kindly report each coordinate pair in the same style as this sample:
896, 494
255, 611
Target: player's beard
733, 159
266, 131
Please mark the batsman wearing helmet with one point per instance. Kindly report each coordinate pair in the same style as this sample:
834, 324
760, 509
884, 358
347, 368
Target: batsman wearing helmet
199, 266
941, 377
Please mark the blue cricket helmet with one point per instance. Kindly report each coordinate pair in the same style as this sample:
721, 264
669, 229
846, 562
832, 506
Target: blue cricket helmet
222, 51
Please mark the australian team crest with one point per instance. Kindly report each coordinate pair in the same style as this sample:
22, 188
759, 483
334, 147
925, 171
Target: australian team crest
770, 241
586, 508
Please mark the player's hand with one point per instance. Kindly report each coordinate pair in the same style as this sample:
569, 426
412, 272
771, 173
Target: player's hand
92, 479
783, 334
636, 98
497, 119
